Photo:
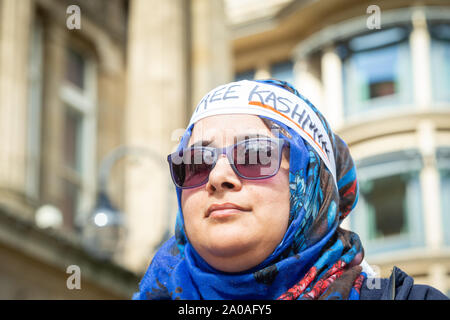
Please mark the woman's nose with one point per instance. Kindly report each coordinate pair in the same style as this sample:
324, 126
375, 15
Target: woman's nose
222, 177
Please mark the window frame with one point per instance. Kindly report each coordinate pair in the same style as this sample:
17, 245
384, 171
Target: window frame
281, 64
437, 43
443, 166
83, 102
401, 162
245, 75
401, 100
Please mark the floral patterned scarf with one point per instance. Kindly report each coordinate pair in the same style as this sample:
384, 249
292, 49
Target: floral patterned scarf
316, 258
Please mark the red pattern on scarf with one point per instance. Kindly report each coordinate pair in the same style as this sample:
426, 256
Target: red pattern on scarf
350, 191
358, 283
322, 284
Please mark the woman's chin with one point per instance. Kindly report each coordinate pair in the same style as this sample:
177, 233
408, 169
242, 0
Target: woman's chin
230, 237
229, 244
232, 256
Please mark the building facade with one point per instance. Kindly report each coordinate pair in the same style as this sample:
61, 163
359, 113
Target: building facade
93, 96
379, 72
61, 104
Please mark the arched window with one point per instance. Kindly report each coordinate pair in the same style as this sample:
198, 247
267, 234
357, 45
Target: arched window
376, 70
388, 212
443, 164
78, 97
245, 75
283, 71
440, 61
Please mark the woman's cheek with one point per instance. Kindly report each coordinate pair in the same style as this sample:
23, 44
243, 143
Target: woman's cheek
190, 201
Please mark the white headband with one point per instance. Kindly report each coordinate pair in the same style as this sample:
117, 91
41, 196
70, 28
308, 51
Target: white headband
250, 97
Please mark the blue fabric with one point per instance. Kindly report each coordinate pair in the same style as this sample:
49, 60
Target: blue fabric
312, 255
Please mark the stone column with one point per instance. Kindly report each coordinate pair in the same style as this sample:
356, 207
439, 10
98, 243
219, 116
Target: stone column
307, 83
155, 107
15, 24
333, 88
211, 47
263, 70
420, 56
332, 98
110, 110
52, 113
430, 185
437, 275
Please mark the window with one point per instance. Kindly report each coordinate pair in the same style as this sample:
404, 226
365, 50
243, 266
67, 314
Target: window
376, 71
78, 95
75, 71
443, 164
388, 212
385, 204
246, 75
283, 71
73, 138
440, 61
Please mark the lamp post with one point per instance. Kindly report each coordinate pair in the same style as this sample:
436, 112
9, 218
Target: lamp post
105, 227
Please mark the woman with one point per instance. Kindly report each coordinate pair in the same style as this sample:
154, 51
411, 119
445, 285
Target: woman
263, 185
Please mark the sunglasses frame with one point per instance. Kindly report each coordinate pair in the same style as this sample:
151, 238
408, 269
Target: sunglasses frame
228, 150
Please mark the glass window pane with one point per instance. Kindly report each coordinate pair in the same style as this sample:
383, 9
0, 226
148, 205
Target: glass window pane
375, 66
75, 68
386, 203
440, 62
377, 78
445, 202
440, 31
246, 75
377, 39
72, 138
381, 88
283, 71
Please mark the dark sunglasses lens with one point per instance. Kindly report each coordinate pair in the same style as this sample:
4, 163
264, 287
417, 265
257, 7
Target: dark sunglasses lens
193, 169
257, 158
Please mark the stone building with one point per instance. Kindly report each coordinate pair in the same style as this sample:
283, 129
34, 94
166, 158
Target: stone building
90, 108
379, 72
92, 97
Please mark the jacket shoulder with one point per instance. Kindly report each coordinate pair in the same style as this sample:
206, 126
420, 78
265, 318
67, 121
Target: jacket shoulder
424, 292
399, 286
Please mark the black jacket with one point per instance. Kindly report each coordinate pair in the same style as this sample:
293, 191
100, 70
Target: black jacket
399, 286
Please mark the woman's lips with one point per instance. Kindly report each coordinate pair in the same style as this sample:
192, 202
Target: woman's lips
224, 210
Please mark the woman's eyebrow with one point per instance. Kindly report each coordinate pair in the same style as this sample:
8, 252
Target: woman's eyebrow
202, 143
240, 137
249, 136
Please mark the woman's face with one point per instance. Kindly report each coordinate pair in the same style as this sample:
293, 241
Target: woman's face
234, 240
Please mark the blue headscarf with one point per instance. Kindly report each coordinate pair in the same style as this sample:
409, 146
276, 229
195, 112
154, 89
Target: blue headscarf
316, 258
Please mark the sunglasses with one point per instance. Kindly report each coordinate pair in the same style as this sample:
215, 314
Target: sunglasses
253, 159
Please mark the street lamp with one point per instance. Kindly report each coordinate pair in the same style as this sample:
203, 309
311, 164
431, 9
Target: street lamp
48, 216
105, 228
